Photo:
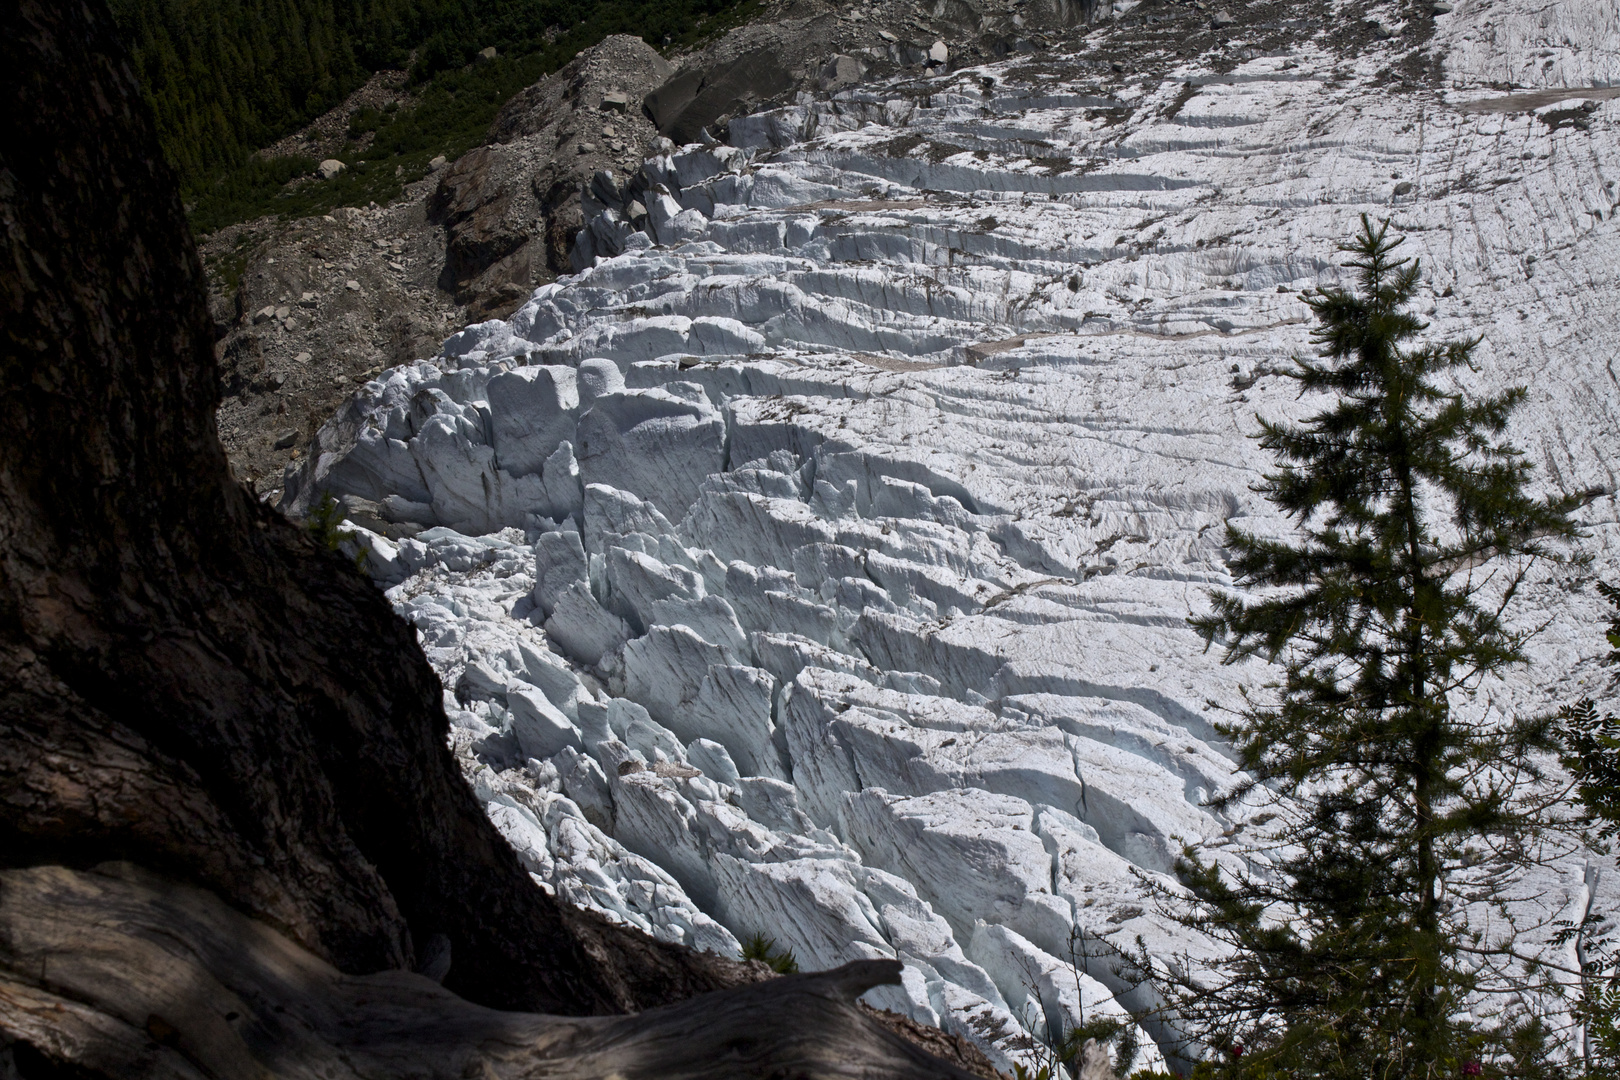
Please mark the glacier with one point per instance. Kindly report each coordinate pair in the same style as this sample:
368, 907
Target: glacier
816, 560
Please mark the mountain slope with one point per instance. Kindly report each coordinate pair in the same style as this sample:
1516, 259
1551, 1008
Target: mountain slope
187, 682
227, 78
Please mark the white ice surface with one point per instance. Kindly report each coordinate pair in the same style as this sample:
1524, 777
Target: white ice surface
791, 614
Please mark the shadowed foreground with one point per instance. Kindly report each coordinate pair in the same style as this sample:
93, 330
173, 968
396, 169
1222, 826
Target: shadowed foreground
165, 980
229, 824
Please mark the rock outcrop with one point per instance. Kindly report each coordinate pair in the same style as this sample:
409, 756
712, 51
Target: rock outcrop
190, 683
511, 207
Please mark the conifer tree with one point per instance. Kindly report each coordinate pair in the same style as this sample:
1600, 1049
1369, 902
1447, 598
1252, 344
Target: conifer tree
1592, 755
1415, 528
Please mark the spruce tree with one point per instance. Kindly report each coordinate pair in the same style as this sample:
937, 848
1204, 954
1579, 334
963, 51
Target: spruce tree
1415, 528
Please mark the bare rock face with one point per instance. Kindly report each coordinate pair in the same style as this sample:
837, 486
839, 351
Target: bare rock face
510, 208
700, 95
322, 304
187, 682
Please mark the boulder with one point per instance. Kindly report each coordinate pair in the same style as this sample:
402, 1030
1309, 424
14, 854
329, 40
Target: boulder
839, 72
330, 168
695, 98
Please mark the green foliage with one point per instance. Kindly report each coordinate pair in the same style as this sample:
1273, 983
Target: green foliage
1592, 755
1414, 531
761, 948
1599, 1011
1106, 1030
365, 121
1592, 743
227, 77
249, 186
227, 267
323, 525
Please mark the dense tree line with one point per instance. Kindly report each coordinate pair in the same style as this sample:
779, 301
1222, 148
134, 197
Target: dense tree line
228, 77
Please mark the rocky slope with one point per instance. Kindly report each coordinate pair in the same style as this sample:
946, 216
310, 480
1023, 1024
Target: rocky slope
816, 561
474, 239
186, 681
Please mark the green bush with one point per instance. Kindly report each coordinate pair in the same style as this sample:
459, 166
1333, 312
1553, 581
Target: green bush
761, 948
1106, 1030
323, 525
1592, 756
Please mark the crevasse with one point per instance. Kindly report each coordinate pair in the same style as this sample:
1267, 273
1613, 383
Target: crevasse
816, 561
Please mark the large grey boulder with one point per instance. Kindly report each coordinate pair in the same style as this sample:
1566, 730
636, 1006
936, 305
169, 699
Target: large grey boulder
695, 98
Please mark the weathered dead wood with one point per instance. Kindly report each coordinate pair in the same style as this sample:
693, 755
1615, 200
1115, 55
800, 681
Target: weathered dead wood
121, 972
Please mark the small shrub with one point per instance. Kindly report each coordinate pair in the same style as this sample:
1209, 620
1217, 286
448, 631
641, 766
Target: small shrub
364, 120
323, 523
761, 948
323, 526
1106, 1030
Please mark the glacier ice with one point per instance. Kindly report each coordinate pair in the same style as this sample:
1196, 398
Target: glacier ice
817, 563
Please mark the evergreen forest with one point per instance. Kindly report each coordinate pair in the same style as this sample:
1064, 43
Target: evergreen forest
226, 78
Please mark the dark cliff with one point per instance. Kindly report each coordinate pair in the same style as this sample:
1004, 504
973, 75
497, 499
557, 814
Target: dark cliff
186, 681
